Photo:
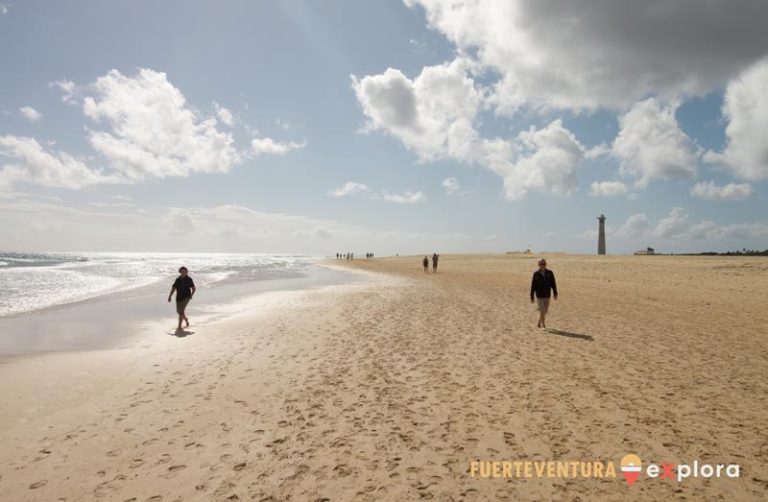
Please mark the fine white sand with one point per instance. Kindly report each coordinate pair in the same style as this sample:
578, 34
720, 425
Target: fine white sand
386, 390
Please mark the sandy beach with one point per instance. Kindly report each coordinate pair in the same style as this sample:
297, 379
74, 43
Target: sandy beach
389, 388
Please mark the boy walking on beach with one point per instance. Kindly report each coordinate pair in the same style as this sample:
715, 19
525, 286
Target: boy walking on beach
543, 285
185, 289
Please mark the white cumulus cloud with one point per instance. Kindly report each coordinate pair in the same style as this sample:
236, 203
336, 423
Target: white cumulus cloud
708, 190
30, 162
435, 116
152, 132
680, 230
143, 128
677, 224
30, 113
432, 114
548, 162
650, 144
746, 110
635, 226
605, 53
607, 188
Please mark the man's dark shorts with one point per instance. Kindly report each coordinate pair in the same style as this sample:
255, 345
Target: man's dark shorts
181, 305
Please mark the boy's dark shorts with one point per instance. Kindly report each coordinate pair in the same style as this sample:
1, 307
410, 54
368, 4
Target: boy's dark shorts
181, 305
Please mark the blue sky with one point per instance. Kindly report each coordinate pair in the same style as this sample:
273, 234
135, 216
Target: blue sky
198, 126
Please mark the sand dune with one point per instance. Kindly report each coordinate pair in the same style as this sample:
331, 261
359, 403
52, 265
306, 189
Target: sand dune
387, 390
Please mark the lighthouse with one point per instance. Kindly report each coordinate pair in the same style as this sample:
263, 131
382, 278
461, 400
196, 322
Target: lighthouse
601, 235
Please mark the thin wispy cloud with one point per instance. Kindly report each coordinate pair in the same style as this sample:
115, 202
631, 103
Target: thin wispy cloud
451, 186
268, 146
402, 198
224, 114
68, 90
352, 187
349, 188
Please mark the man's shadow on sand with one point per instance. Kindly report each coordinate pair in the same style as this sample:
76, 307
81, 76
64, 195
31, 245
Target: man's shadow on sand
181, 333
570, 335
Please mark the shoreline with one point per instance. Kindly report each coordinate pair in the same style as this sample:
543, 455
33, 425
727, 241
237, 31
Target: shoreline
114, 321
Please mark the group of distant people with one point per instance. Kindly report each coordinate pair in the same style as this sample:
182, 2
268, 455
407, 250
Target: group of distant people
351, 256
543, 287
425, 263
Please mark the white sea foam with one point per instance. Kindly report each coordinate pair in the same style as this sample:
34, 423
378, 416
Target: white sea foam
32, 281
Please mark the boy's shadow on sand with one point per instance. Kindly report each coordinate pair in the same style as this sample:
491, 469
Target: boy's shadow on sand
181, 333
570, 335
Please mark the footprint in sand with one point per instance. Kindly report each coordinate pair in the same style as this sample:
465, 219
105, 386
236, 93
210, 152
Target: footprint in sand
224, 488
174, 469
342, 470
136, 462
103, 489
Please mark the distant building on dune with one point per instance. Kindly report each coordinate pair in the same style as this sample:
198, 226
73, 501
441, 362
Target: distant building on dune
645, 251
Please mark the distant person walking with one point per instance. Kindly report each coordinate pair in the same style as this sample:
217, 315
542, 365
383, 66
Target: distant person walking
184, 287
543, 285
435, 257
425, 262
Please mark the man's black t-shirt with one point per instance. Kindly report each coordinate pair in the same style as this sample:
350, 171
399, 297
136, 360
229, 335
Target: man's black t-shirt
183, 287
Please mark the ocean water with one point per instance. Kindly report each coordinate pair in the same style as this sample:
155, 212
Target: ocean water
34, 281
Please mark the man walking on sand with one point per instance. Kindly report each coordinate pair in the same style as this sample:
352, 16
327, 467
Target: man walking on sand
435, 257
185, 290
543, 284
425, 262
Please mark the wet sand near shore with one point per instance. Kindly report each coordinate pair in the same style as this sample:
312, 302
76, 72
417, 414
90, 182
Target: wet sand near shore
388, 389
113, 321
